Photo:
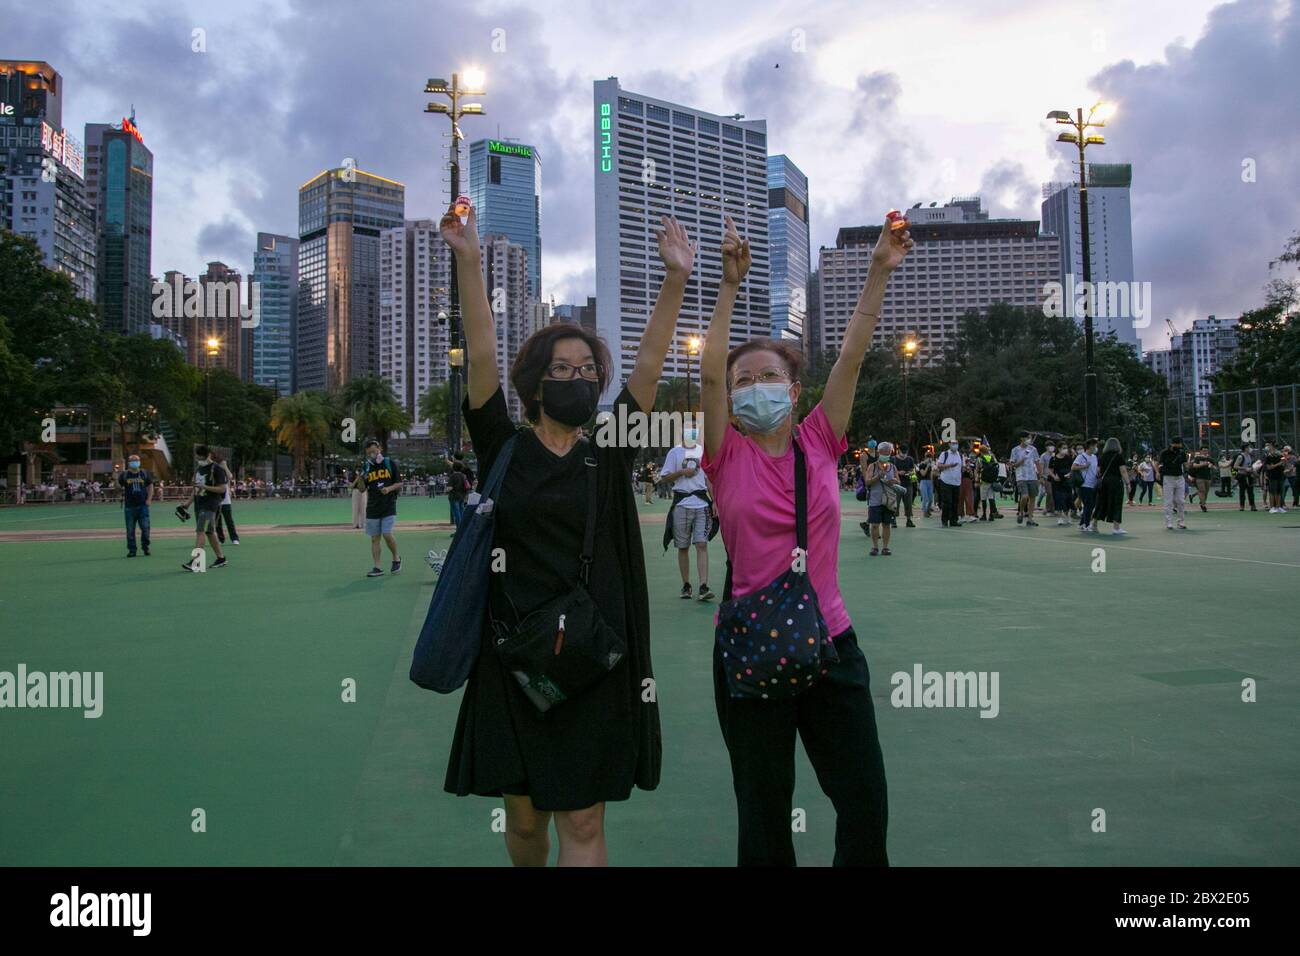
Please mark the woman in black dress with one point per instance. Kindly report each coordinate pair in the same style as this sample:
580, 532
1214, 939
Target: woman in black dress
1112, 479
593, 748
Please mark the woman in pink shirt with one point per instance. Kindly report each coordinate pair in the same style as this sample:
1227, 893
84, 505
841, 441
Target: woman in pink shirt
823, 698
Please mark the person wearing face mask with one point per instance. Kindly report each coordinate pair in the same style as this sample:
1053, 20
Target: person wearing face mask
925, 479
1085, 465
881, 476
566, 523
1171, 471
383, 483
137, 494
1058, 467
689, 523
1024, 461
779, 507
210, 481
948, 469
1244, 465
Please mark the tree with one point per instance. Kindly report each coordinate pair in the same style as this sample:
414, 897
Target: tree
372, 403
153, 383
435, 406
299, 421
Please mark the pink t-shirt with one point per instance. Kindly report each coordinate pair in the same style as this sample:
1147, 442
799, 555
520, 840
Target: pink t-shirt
754, 493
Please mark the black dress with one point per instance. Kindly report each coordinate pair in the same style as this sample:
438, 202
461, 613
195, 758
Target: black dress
594, 747
1110, 488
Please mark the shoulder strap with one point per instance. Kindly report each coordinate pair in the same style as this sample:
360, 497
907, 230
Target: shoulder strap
589, 535
800, 498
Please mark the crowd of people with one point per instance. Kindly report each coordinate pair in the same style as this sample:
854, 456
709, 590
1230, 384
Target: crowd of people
1084, 482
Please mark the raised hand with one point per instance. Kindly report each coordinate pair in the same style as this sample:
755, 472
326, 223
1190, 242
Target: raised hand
675, 248
892, 247
735, 254
461, 237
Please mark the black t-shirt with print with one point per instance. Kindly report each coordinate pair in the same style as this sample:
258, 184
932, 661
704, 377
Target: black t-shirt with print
1274, 465
1172, 461
381, 474
211, 474
1202, 467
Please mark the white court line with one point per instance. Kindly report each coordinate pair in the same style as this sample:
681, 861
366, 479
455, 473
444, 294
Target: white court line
1096, 541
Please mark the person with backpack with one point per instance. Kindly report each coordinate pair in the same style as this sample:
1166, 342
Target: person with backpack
1024, 462
906, 466
881, 481
210, 481
948, 468
458, 489
987, 463
383, 484
1243, 466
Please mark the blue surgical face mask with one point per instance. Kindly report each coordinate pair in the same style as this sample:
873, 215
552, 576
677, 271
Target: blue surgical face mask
885, 458
134, 465
761, 407
690, 435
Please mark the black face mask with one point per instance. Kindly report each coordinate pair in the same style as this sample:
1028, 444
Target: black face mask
572, 402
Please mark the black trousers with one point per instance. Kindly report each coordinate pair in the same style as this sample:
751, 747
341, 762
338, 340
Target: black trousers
948, 496
1245, 488
225, 517
837, 723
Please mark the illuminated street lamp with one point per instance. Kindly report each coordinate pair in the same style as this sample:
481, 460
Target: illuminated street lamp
910, 346
473, 80
213, 349
1079, 136
692, 348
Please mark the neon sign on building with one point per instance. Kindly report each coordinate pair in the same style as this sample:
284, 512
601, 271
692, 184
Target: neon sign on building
606, 158
509, 149
129, 127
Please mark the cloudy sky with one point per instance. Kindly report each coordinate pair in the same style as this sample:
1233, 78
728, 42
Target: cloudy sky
881, 104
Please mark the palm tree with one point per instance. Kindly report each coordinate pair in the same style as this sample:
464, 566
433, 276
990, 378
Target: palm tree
372, 402
434, 406
670, 396
298, 422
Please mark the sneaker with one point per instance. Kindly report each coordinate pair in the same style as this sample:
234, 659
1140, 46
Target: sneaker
1119, 531
187, 566
885, 551
220, 562
375, 573
999, 515
1182, 526
1031, 523
984, 518
705, 593
1020, 519
686, 592
396, 567
1203, 508
234, 541
873, 552
1061, 522
130, 554
146, 552
911, 523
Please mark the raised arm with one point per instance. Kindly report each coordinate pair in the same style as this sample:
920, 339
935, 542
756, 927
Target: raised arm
713, 361
837, 398
678, 254
476, 314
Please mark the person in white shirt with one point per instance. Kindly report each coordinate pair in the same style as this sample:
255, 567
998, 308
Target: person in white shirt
948, 470
225, 516
1086, 463
1024, 459
689, 515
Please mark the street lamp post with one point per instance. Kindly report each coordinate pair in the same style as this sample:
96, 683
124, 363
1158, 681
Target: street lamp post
692, 348
213, 350
1080, 137
909, 348
454, 91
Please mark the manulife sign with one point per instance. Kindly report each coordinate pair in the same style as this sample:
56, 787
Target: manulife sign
509, 149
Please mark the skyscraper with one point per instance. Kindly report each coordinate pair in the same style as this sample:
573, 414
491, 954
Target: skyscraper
1193, 358
340, 215
652, 157
788, 234
42, 193
963, 262
505, 273
275, 294
119, 186
1110, 225
505, 185
414, 276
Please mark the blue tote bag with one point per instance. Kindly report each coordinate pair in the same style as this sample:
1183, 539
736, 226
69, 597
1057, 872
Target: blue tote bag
449, 640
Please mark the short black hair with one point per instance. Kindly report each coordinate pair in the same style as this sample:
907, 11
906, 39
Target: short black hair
372, 441
202, 451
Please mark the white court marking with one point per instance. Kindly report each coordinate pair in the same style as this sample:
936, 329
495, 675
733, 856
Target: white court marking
1096, 539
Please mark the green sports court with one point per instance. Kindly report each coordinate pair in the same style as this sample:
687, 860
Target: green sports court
1119, 691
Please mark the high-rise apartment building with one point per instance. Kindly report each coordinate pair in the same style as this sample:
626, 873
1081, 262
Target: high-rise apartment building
1193, 358
341, 213
1110, 226
652, 158
119, 186
42, 190
789, 237
275, 296
962, 262
505, 186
